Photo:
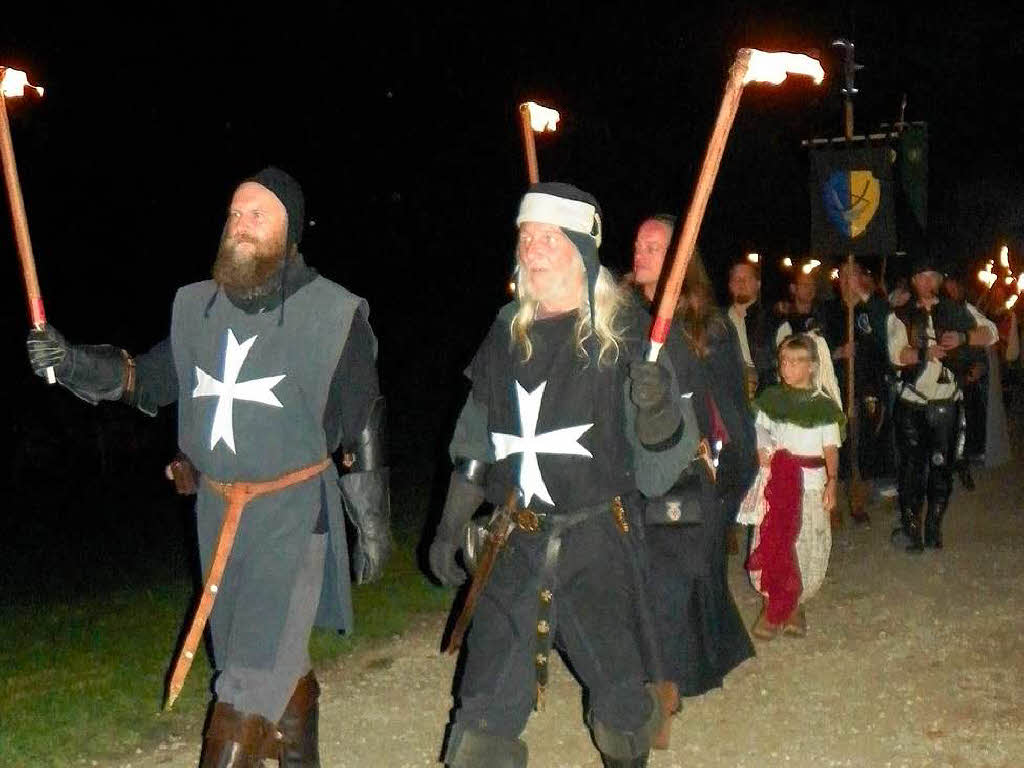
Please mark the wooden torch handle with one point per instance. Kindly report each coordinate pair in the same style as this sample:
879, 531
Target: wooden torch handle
687, 240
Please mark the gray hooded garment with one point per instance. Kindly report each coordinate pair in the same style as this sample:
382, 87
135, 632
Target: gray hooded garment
271, 358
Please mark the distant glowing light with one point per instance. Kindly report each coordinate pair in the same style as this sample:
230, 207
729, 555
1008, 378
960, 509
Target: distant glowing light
987, 276
1004, 257
834, 274
14, 82
512, 287
541, 118
1020, 282
814, 263
753, 258
1011, 301
787, 263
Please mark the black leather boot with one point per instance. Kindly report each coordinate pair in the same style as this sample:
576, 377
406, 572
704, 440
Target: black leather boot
933, 523
910, 517
234, 740
633, 762
300, 743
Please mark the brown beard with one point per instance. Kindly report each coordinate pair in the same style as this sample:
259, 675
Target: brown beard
248, 277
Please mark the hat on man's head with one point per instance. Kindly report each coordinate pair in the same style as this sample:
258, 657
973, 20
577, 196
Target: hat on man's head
289, 192
925, 263
576, 213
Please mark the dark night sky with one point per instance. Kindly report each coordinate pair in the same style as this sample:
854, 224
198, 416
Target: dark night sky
401, 126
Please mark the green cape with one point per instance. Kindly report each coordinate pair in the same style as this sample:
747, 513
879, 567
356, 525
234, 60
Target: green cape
803, 407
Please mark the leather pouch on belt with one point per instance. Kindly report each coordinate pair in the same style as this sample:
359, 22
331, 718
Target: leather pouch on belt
681, 505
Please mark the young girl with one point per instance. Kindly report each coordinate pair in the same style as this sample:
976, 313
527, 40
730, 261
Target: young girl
800, 426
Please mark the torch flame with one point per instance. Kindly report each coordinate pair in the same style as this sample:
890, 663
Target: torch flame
542, 118
787, 263
1011, 301
1004, 257
987, 276
14, 82
773, 67
1020, 282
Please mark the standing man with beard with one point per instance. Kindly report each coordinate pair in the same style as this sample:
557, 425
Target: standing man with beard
930, 339
564, 414
273, 370
753, 326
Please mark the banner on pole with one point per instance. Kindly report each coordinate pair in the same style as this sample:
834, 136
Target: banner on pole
852, 201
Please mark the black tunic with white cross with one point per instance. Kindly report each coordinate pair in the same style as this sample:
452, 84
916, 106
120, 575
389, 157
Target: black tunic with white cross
556, 421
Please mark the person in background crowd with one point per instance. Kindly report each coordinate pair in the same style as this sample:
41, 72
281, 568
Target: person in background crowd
870, 367
754, 327
801, 313
928, 340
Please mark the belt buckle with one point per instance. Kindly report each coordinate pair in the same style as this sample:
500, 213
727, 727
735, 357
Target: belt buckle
527, 520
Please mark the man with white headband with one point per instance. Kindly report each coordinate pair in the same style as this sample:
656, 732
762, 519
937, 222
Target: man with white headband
564, 415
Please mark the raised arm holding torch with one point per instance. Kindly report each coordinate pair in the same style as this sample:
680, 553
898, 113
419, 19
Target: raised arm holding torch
535, 118
750, 66
13, 83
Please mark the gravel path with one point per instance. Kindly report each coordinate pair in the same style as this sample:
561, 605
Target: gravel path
910, 661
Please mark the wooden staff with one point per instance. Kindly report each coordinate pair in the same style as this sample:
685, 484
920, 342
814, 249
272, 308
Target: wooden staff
529, 145
687, 240
20, 221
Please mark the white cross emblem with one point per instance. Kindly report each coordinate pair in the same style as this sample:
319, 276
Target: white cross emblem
561, 441
231, 389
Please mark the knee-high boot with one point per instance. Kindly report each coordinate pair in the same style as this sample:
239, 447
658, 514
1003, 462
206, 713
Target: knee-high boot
910, 527
236, 740
299, 726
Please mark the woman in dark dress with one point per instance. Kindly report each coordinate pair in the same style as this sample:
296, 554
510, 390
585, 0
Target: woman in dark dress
700, 632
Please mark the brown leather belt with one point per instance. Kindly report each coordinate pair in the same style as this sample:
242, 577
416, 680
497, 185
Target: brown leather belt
236, 496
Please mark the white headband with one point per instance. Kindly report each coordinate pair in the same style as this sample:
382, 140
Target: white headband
574, 215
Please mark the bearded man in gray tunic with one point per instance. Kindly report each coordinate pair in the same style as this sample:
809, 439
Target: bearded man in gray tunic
273, 369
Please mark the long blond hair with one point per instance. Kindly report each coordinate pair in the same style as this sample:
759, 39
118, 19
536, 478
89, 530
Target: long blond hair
609, 299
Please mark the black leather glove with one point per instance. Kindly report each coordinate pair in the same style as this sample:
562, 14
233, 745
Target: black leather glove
658, 419
92, 372
368, 504
464, 498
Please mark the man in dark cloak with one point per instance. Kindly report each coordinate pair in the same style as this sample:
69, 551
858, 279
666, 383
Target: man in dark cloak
564, 413
273, 370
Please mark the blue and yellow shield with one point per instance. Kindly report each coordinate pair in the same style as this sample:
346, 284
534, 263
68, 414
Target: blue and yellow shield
851, 200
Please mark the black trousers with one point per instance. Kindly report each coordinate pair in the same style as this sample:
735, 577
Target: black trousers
595, 622
928, 438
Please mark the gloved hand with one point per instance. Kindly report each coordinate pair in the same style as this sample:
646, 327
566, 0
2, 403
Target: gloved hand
649, 384
92, 372
47, 348
368, 504
464, 498
657, 418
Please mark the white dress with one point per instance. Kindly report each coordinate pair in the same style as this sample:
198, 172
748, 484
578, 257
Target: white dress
814, 542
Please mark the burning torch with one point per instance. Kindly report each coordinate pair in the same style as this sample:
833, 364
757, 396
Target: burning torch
13, 83
535, 119
750, 66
